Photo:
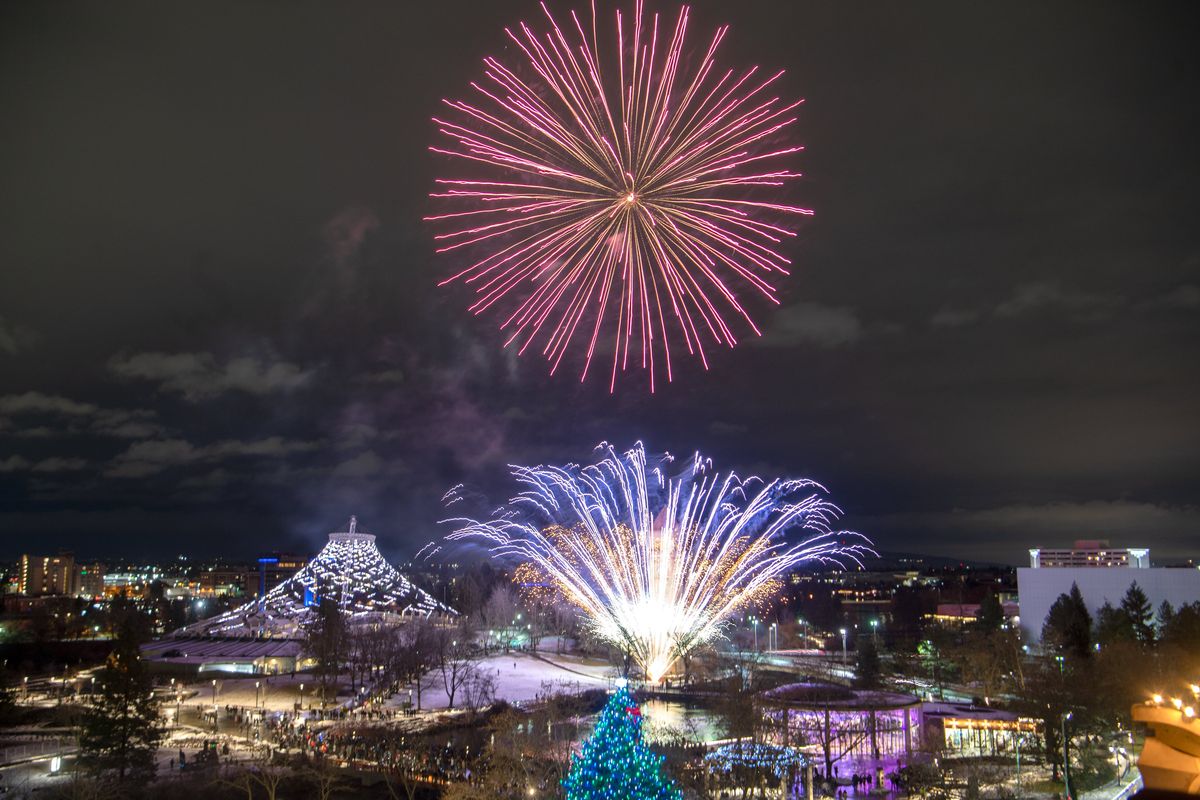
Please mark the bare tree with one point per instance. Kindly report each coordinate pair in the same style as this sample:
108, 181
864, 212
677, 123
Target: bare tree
260, 773
478, 689
326, 641
415, 654
325, 779
405, 784
456, 656
564, 620
499, 614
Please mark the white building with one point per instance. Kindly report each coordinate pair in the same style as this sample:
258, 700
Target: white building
1103, 574
1090, 553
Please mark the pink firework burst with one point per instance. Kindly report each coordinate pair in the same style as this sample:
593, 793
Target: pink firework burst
618, 207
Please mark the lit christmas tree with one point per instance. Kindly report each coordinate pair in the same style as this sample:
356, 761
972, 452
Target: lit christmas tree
615, 764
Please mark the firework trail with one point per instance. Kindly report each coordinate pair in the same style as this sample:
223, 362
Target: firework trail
656, 563
613, 210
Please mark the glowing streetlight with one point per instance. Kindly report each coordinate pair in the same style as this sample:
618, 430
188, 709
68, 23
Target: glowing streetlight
843, 632
1066, 758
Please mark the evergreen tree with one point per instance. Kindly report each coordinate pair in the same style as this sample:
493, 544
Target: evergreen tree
1141, 614
990, 617
1183, 629
868, 672
1113, 625
1165, 614
122, 730
614, 763
1068, 626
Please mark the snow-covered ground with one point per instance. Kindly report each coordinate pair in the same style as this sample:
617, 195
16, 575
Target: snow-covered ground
520, 678
274, 692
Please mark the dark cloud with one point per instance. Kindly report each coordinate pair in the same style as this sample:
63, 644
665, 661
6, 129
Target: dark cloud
71, 417
14, 464
212, 222
151, 457
953, 318
1181, 298
813, 324
39, 403
1049, 297
1027, 526
15, 338
198, 376
19, 464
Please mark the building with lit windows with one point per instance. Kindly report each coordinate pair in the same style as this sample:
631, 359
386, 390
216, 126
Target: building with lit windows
1090, 553
971, 731
89, 580
1103, 575
47, 575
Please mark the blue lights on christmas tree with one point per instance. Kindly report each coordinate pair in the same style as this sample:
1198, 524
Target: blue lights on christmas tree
615, 764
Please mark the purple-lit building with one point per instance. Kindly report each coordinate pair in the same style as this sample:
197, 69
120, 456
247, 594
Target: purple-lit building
846, 731
842, 728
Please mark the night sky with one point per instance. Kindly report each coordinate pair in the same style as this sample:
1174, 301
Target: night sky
220, 331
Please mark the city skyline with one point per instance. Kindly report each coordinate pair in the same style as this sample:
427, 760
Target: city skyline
220, 324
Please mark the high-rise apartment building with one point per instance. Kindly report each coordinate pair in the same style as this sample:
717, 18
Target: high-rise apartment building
47, 575
1090, 553
89, 581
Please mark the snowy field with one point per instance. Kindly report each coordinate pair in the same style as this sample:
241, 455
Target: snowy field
519, 678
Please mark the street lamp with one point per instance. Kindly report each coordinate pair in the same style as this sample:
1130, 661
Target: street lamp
1066, 759
773, 641
257, 684
875, 632
754, 622
302, 697
843, 632
214, 687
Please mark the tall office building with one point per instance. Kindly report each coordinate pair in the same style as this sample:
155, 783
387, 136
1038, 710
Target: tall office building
47, 575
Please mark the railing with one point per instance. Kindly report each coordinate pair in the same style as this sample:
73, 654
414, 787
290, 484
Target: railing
14, 752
